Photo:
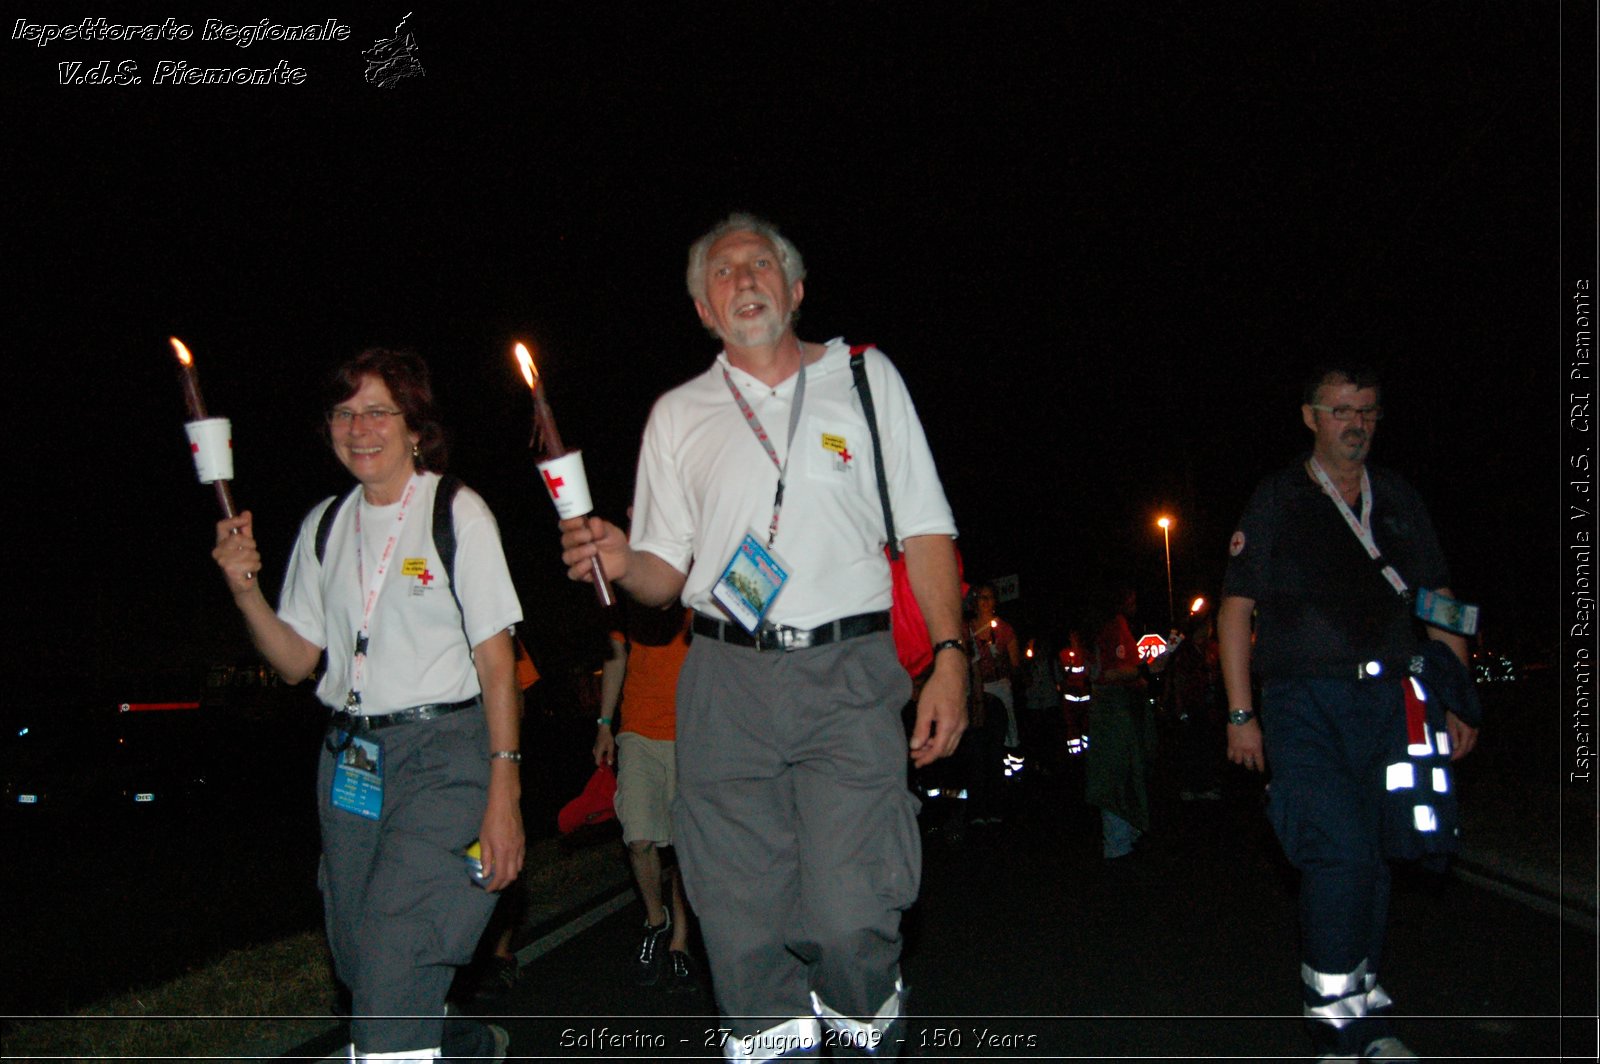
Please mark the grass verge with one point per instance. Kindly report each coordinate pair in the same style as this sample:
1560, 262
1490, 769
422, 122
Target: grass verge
254, 1002
269, 999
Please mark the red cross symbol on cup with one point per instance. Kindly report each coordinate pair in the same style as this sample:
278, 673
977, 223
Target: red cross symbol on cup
554, 484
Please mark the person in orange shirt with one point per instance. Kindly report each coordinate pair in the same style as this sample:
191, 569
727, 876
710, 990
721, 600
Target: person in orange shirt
642, 674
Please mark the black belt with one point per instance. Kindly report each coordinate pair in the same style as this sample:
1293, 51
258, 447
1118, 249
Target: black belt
782, 637
352, 723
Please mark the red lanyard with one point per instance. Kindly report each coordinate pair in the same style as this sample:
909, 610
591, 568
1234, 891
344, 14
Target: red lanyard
766, 441
358, 662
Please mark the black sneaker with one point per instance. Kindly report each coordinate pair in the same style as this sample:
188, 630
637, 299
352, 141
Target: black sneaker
680, 973
498, 978
652, 952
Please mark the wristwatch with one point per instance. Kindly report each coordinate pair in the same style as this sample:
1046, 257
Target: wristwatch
949, 644
1241, 716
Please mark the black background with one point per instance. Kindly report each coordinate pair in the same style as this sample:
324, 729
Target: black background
1101, 241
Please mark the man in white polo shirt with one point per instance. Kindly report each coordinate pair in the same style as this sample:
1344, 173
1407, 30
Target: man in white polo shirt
795, 828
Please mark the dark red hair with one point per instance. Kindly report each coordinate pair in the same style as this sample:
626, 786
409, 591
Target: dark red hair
406, 376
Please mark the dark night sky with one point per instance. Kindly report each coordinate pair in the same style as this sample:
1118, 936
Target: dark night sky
1101, 241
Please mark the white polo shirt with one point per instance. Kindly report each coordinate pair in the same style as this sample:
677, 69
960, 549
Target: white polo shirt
705, 480
418, 652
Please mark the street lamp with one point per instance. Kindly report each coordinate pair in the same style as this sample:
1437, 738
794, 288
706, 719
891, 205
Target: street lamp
1165, 524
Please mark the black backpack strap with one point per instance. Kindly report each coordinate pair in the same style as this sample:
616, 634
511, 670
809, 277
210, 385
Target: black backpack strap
444, 541
858, 369
444, 534
325, 523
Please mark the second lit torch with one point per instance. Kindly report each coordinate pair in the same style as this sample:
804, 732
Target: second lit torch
561, 469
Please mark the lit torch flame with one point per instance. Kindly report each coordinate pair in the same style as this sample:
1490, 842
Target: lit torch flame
190, 381
525, 362
544, 422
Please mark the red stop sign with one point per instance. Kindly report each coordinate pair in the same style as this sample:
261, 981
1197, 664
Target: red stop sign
1151, 646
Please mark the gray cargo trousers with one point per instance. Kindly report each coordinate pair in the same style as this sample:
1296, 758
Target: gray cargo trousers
794, 825
400, 910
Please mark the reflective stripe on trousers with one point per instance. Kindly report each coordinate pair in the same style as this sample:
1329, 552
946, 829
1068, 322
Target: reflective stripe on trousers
871, 1038
802, 1036
789, 1040
1338, 999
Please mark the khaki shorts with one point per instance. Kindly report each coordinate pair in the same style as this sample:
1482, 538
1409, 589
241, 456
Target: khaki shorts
647, 781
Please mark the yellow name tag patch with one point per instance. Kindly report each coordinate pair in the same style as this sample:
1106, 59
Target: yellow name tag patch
413, 567
832, 443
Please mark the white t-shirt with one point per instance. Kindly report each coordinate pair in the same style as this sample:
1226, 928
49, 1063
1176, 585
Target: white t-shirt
705, 480
417, 652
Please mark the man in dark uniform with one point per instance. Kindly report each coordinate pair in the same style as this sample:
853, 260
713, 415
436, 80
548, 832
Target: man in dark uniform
1325, 555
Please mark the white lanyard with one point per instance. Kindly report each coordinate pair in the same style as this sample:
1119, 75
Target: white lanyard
1361, 526
766, 441
358, 662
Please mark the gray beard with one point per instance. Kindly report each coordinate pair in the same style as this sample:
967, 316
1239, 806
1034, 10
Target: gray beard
764, 334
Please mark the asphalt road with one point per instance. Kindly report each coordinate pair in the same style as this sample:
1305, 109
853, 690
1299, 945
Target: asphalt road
1022, 945
1025, 946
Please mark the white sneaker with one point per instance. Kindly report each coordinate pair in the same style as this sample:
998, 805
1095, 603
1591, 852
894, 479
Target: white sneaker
1387, 1048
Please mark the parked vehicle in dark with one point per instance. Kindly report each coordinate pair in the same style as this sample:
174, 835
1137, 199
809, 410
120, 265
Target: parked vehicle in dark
107, 759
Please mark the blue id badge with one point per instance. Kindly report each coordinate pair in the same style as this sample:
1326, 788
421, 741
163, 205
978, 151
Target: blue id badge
358, 779
1441, 611
752, 579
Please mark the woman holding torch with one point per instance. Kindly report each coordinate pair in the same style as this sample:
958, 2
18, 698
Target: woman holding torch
422, 752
